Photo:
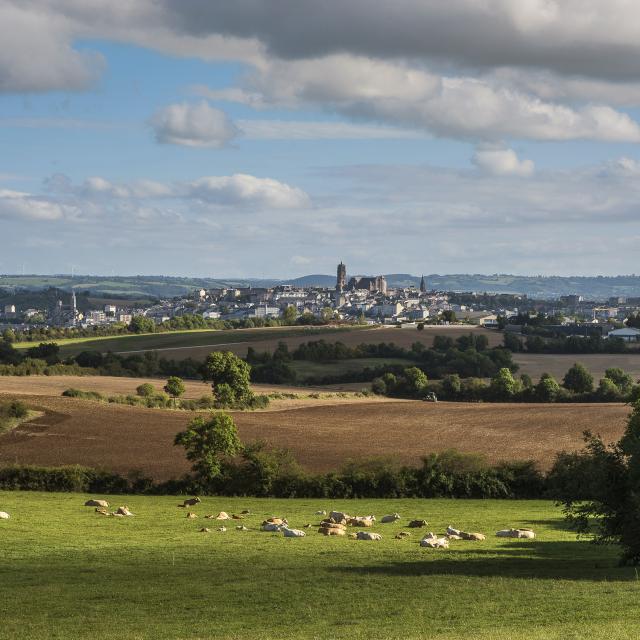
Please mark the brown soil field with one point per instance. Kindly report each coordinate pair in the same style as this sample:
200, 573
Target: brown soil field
401, 337
322, 437
535, 364
53, 386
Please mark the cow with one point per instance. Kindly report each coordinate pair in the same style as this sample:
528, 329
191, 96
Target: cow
102, 512
191, 515
223, 516
472, 536
339, 516
453, 532
123, 511
390, 518
97, 503
402, 535
279, 521
516, 533
433, 542
4, 515
368, 535
361, 521
241, 527
235, 516
322, 512
293, 533
332, 531
270, 526
416, 524
190, 502
205, 530
222, 529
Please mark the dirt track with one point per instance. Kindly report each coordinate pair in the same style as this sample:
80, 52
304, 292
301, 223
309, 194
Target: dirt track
123, 438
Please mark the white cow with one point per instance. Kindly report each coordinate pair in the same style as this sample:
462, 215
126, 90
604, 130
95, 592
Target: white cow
293, 533
270, 526
4, 515
390, 518
433, 542
368, 535
97, 503
516, 533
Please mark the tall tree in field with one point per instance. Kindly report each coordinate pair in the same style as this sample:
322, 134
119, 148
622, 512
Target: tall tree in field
606, 488
175, 388
229, 376
578, 379
208, 442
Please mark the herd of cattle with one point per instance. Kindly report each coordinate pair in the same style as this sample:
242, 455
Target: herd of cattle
334, 524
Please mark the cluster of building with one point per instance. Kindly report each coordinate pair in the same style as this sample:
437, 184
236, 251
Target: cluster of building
359, 298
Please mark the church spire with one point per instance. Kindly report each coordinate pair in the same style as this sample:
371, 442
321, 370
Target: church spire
423, 285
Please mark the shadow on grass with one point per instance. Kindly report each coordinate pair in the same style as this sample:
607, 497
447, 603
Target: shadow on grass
526, 560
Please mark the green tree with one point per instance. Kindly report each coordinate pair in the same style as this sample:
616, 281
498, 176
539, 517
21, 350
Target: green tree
452, 386
225, 368
622, 380
504, 386
142, 324
512, 342
602, 497
208, 442
547, 389
146, 390
175, 388
608, 390
327, 314
578, 379
448, 316
9, 335
415, 381
289, 316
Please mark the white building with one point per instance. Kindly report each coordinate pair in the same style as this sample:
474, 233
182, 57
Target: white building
628, 334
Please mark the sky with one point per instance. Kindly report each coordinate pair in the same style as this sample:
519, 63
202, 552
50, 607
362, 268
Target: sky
274, 138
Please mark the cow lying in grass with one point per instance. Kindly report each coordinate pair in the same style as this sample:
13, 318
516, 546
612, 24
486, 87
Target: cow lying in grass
516, 533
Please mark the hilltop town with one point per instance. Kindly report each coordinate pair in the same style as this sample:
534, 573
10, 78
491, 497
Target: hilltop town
361, 299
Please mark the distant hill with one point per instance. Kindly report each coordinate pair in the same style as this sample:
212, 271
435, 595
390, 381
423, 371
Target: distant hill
145, 287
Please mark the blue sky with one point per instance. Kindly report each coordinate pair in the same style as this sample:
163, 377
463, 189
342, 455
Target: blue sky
276, 138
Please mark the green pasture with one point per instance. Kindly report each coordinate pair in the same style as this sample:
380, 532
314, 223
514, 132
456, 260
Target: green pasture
184, 339
67, 572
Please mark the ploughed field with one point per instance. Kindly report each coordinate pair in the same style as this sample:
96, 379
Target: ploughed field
67, 572
323, 433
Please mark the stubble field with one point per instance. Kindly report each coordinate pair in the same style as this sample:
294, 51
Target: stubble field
322, 432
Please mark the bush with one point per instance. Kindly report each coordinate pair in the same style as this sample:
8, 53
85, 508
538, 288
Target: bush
13, 409
146, 390
84, 395
67, 479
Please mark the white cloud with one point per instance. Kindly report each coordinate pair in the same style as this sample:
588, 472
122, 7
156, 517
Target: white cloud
97, 186
248, 191
309, 130
457, 107
193, 125
36, 55
238, 191
25, 206
502, 162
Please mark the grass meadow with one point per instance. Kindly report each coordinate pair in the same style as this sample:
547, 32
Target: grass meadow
171, 340
66, 572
